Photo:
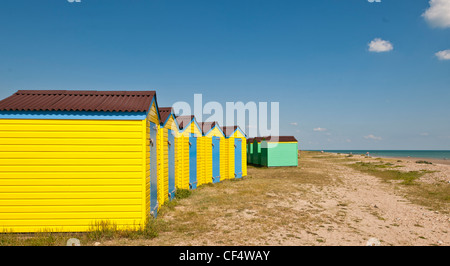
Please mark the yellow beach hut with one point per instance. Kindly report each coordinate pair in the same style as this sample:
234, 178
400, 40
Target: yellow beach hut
237, 148
213, 136
72, 159
189, 133
167, 152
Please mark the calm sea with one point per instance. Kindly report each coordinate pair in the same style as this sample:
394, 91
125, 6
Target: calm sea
398, 153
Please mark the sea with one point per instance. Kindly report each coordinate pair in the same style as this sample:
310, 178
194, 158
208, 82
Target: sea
436, 154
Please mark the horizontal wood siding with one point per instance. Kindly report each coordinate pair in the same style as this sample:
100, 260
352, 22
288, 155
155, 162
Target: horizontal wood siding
64, 175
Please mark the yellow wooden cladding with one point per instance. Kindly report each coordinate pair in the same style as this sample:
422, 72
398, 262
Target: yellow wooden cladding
231, 148
182, 162
192, 128
200, 161
160, 166
215, 132
66, 175
224, 159
238, 134
207, 161
164, 150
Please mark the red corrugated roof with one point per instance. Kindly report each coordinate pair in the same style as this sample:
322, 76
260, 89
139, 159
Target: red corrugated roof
62, 100
164, 113
274, 139
228, 130
184, 120
206, 126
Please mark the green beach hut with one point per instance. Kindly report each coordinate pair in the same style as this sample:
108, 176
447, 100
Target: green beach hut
279, 151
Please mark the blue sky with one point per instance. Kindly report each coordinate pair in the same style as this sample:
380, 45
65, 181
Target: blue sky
312, 57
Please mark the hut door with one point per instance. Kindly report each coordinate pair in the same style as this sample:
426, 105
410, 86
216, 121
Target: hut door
171, 155
192, 162
238, 157
153, 173
216, 159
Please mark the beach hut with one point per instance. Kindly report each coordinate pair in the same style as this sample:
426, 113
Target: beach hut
214, 135
237, 151
279, 151
169, 129
250, 150
256, 151
190, 130
72, 159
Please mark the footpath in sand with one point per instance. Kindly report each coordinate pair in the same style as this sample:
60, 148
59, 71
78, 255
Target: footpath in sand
324, 201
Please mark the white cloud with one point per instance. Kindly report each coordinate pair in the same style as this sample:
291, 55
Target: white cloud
348, 140
438, 14
372, 137
293, 124
443, 55
378, 45
424, 134
319, 129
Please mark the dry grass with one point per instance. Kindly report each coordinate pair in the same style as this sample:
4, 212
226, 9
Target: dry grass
271, 206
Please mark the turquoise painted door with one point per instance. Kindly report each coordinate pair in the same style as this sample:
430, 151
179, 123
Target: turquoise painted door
238, 157
171, 151
153, 173
216, 159
192, 162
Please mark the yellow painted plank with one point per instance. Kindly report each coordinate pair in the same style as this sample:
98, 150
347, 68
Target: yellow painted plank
70, 175
68, 209
70, 215
64, 222
71, 182
71, 195
65, 162
78, 128
69, 188
69, 155
71, 202
68, 122
68, 141
69, 134
62, 148
71, 168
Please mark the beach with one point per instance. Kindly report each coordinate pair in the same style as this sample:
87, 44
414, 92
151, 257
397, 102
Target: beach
328, 200
324, 201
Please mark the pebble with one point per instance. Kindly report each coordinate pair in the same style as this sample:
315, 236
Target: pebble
73, 242
373, 242
97, 244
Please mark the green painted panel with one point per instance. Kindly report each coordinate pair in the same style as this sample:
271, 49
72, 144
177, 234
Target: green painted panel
256, 153
279, 154
249, 153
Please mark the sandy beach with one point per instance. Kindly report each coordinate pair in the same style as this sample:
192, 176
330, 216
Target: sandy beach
328, 200
324, 201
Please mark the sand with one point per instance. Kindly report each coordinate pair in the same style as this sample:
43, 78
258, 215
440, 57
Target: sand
322, 202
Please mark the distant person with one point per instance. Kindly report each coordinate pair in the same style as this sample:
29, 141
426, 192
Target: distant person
367, 154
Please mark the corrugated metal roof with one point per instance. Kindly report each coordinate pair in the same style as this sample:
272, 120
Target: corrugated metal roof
66, 100
274, 139
206, 126
164, 113
184, 120
228, 130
